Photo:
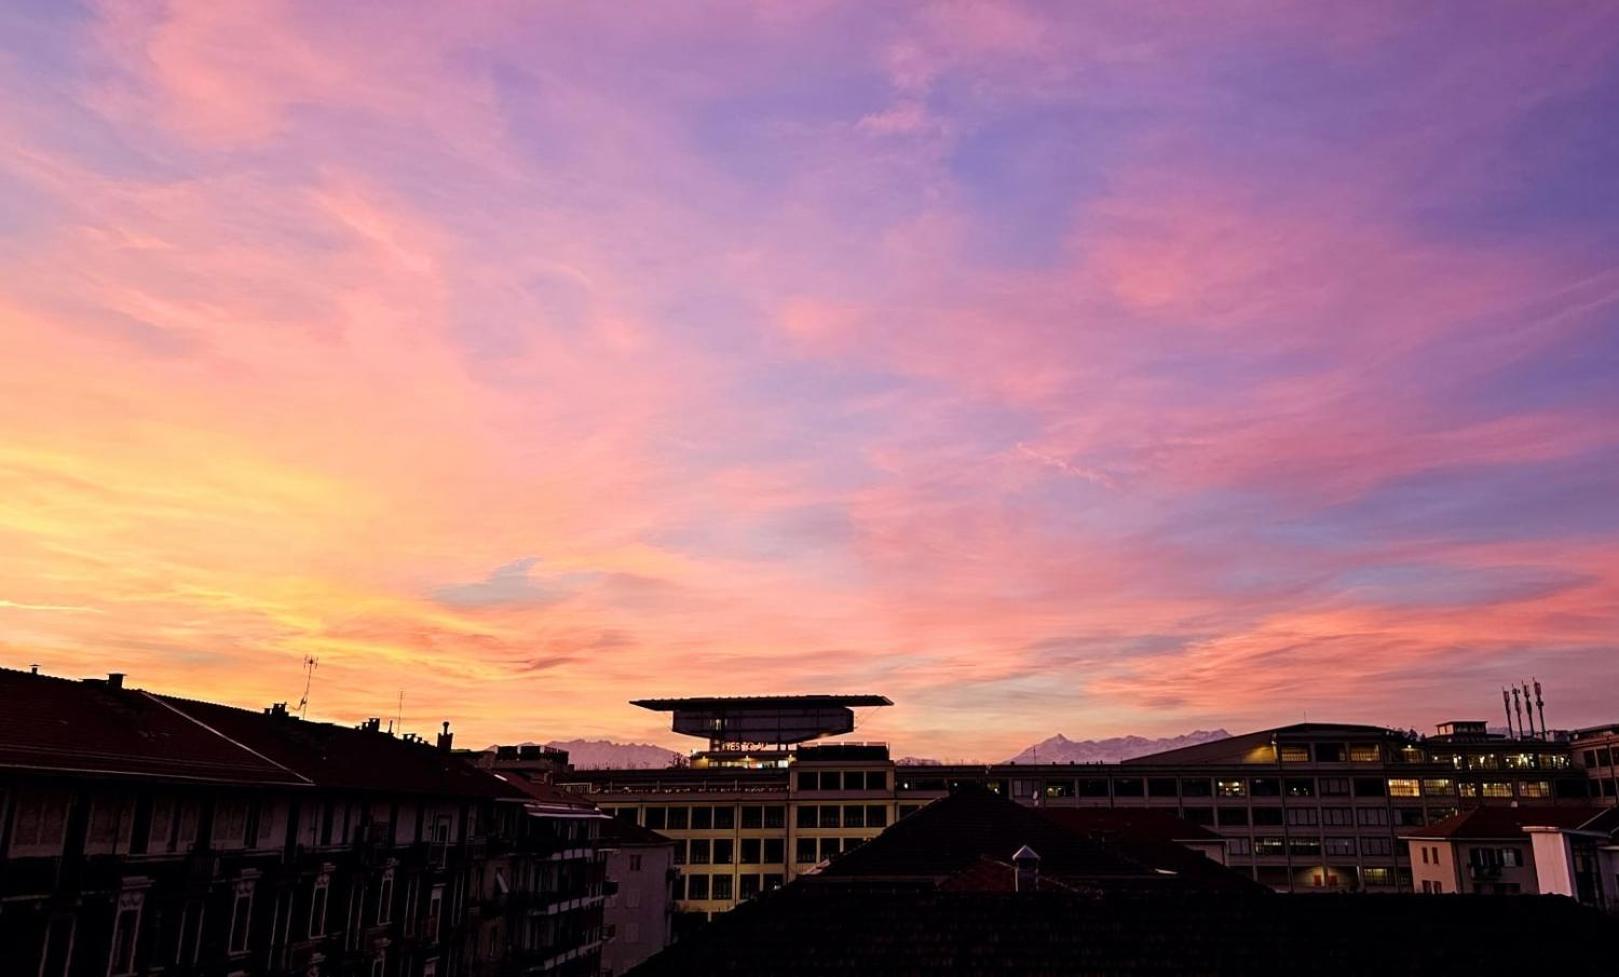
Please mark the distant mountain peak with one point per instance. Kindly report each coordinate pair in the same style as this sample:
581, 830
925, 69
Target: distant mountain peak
1061, 749
610, 755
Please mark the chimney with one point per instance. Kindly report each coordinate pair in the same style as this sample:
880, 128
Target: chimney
1025, 870
446, 737
115, 680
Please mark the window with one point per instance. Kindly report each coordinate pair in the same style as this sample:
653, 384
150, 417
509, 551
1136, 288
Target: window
1270, 846
808, 816
1339, 846
1334, 786
1295, 754
1424, 854
1265, 787
1404, 788
809, 780
722, 887
748, 886
1440, 787
126, 927
1535, 788
1299, 787
41, 818
773, 881
1093, 787
317, 905
725, 818
679, 818
1232, 816
1267, 815
723, 848
241, 917
1337, 816
750, 851
876, 816
1329, 753
876, 780
829, 816
833, 780
830, 848
753, 817
1467, 788
1365, 753
1497, 789
1377, 876
435, 911
1239, 846
1304, 846
1198, 787
385, 897
1059, 788
697, 887
410, 907
699, 851
854, 816
1162, 787
680, 852
1372, 816
702, 818
657, 818
1408, 817
1128, 787
1199, 815
775, 851
1376, 846
775, 816
1370, 787
379, 963
804, 851
1303, 816
1590, 758
1231, 788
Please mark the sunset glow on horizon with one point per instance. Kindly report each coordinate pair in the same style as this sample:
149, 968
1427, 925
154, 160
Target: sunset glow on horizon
1093, 368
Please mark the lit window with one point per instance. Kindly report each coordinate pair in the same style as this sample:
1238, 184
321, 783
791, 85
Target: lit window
1497, 789
1404, 788
1365, 753
1467, 788
1232, 788
1295, 754
1535, 788
1438, 788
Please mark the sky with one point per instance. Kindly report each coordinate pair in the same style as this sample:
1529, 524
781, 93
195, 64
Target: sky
1093, 368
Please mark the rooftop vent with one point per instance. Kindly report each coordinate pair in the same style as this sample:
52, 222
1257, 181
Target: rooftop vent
115, 680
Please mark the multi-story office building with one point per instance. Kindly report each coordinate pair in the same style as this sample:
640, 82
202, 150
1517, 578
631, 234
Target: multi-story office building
1313, 806
1596, 751
143, 834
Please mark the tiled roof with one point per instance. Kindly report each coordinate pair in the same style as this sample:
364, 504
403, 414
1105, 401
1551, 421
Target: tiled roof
354, 759
1497, 823
1129, 823
55, 725
617, 831
906, 931
761, 702
955, 833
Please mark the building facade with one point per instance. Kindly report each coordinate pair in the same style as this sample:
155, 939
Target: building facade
1567, 851
142, 834
1309, 807
640, 908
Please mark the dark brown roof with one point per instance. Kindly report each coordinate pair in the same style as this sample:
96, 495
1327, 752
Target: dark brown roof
1501, 823
617, 832
908, 931
1129, 824
353, 759
55, 725
954, 834
761, 702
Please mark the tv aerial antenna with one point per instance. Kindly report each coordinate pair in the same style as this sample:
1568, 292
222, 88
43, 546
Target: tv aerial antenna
310, 664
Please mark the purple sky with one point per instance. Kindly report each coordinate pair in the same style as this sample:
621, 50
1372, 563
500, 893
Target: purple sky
1093, 368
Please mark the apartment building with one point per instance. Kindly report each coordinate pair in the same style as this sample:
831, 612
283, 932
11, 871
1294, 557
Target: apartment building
145, 834
1568, 851
640, 908
1307, 807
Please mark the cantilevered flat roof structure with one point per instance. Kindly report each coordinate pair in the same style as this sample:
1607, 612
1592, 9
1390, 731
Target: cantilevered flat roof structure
762, 720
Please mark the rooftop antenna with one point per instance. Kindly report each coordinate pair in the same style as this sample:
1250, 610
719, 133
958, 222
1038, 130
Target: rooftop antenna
1529, 711
1506, 703
399, 713
1540, 704
310, 663
1517, 708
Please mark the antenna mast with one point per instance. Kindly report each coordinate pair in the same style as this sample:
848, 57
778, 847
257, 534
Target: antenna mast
1506, 704
310, 663
1540, 704
1517, 708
